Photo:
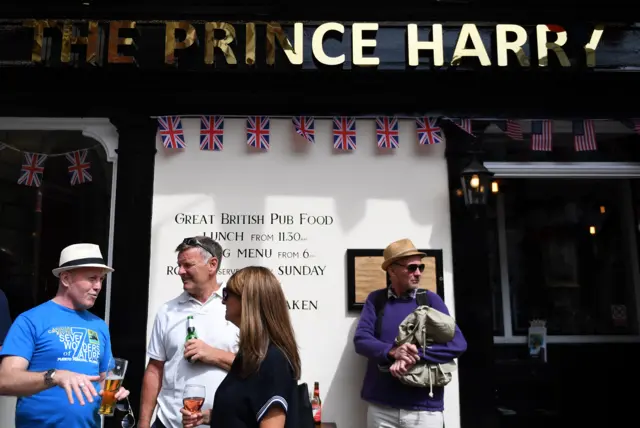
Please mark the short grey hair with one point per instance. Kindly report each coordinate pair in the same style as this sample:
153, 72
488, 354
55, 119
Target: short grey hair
207, 247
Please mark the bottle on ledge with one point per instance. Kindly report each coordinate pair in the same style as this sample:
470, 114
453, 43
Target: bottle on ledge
191, 332
316, 404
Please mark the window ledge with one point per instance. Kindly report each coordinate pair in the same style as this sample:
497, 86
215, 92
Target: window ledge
503, 340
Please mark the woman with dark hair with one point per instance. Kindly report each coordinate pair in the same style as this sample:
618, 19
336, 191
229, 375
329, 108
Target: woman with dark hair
259, 389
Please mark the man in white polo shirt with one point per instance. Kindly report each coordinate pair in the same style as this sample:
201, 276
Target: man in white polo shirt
211, 354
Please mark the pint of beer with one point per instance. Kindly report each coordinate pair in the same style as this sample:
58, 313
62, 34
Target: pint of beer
115, 376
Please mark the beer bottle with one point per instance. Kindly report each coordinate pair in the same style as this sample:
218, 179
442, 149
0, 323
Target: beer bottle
191, 332
316, 405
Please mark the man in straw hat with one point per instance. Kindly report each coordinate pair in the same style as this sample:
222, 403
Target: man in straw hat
391, 402
55, 356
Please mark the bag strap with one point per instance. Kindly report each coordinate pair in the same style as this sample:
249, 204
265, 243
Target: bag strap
422, 299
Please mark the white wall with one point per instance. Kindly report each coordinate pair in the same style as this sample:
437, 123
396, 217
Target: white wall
374, 199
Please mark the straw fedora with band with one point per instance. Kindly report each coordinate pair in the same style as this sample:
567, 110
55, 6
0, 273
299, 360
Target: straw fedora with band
399, 250
81, 255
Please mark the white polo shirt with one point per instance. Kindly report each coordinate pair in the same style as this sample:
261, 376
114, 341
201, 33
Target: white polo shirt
167, 344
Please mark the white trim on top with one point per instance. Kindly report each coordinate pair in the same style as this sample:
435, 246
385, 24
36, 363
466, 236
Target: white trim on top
602, 170
99, 129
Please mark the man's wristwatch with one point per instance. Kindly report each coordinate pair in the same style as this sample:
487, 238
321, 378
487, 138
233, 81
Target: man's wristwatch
48, 377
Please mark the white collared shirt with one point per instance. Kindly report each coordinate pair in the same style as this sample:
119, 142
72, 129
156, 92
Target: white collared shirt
167, 344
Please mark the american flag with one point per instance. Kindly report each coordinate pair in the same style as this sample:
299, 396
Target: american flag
258, 132
464, 124
344, 133
511, 128
584, 136
541, 135
428, 131
306, 127
79, 168
170, 128
211, 132
32, 169
387, 132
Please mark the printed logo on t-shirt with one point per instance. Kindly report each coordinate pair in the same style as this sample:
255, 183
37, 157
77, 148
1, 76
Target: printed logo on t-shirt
80, 344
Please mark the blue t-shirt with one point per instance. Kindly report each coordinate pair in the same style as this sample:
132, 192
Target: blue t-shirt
51, 336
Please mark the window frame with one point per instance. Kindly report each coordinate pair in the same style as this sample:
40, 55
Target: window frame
587, 170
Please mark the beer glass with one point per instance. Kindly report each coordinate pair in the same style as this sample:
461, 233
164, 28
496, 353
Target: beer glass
115, 375
193, 397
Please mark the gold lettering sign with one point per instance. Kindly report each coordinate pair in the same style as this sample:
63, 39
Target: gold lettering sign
91, 42
544, 46
250, 44
293, 53
470, 31
436, 45
317, 46
223, 44
590, 48
503, 46
358, 44
115, 40
170, 42
38, 26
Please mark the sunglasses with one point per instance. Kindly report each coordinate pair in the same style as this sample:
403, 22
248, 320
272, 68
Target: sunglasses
128, 421
193, 242
226, 293
414, 267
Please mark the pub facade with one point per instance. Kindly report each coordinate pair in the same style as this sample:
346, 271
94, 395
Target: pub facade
301, 141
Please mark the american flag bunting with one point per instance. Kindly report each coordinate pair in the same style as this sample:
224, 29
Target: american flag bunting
344, 133
629, 123
511, 128
428, 131
79, 167
464, 124
211, 132
584, 136
305, 126
258, 132
32, 169
541, 135
170, 128
387, 132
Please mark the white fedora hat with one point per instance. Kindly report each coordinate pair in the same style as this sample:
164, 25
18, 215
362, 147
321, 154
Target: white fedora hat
81, 255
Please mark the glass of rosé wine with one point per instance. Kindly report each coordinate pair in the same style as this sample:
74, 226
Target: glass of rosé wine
193, 397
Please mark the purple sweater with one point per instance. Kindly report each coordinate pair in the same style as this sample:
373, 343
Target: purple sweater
382, 388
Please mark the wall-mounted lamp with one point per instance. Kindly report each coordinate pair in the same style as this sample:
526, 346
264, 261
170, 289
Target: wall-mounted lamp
476, 182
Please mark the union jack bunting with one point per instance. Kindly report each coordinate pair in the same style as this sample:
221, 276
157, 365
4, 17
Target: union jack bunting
79, 168
170, 128
511, 128
344, 133
541, 135
464, 124
258, 132
306, 127
387, 132
32, 169
428, 131
584, 136
211, 132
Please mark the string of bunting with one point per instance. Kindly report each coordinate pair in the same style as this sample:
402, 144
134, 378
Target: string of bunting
387, 135
33, 165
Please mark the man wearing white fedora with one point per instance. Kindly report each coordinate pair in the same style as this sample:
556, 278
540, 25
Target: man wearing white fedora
56, 355
393, 404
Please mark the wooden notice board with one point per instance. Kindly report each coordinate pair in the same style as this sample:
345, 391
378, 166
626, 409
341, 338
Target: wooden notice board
365, 275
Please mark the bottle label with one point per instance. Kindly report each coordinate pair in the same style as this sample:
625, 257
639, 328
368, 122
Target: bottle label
317, 412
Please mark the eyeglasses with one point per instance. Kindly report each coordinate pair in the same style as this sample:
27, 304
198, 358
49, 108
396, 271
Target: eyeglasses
226, 293
129, 420
413, 267
193, 242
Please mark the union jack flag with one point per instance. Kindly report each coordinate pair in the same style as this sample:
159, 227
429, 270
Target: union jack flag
584, 136
541, 135
464, 124
344, 133
387, 132
79, 168
170, 128
306, 127
32, 169
428, 131
511, 128
211, 132
258, 132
